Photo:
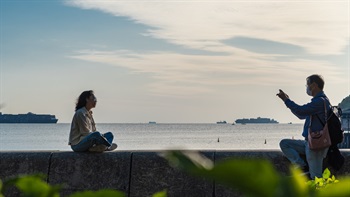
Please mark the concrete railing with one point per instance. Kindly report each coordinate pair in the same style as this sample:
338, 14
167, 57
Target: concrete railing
135, 173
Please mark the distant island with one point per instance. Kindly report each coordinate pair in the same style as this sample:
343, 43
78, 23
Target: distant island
258, 120
27, 118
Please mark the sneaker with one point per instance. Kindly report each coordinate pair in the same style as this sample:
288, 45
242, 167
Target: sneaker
98, 148
112, 147
304, 170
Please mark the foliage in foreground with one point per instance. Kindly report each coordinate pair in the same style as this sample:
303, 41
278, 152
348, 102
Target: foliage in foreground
323, 182
258, 177
35, 186
251, 177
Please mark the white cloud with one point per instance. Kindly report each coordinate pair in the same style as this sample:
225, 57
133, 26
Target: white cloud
319, 27
199, 73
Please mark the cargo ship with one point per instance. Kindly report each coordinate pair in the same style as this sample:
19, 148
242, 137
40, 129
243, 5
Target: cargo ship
28, 118
256, 121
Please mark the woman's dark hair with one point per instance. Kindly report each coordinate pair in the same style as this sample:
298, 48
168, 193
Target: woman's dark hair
81, 102
318, 79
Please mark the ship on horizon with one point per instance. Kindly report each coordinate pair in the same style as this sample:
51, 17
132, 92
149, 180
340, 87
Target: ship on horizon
28, 118
258, 120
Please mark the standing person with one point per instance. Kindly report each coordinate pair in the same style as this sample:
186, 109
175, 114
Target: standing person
293, 148
83, 136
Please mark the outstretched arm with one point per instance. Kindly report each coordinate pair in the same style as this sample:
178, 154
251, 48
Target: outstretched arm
282, 95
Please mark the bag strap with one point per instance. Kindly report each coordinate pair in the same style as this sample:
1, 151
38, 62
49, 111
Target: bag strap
320, 120
325, 111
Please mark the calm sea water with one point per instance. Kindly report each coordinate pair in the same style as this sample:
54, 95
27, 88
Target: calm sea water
153, 136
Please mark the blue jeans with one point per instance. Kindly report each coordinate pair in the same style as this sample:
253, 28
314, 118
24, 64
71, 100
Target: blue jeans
95, 138
292, 150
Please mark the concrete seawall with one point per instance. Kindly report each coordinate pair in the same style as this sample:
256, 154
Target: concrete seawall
134, 173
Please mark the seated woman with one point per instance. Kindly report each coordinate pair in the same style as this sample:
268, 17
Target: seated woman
83, 136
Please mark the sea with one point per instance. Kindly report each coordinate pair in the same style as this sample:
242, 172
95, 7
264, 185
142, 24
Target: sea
160, 136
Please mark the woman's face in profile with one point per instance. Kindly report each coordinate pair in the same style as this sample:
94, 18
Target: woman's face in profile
91, 101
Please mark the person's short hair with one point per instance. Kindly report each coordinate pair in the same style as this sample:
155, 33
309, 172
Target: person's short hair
318, 79
81, 102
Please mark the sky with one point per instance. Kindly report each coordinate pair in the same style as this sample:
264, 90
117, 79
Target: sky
171, 61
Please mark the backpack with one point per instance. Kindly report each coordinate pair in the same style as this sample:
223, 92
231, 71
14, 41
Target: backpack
336, 133
335, 158
334, 125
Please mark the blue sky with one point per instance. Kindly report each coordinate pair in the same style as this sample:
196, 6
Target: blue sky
170, 61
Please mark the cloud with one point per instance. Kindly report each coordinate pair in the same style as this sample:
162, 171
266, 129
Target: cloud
200, 74
318, 28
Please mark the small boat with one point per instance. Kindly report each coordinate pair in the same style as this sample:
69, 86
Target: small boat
221, 122
152, 122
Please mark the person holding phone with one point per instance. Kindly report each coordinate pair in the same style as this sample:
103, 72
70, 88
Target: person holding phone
291, 148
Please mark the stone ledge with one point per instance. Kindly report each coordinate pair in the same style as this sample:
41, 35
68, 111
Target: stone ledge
79, 171
137, 173
17, 163
151, 173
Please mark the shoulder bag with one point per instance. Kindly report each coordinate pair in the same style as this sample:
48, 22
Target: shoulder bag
319, 139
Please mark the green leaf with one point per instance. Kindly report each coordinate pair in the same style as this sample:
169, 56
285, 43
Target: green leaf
253, 177
100, 193
34, 186
249, 176
295, 185
160, 194
1, 188
190, 161
340, 189
258, 178
326, 173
